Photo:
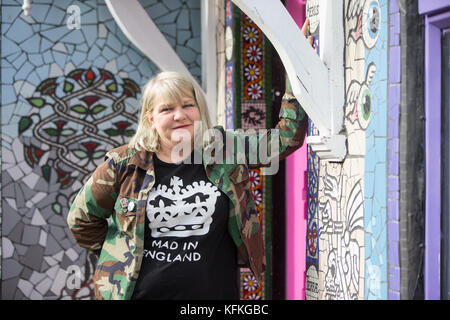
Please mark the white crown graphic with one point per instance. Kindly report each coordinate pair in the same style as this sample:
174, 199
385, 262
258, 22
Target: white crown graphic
181, 212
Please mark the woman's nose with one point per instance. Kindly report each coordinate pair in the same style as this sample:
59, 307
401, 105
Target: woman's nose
179, 114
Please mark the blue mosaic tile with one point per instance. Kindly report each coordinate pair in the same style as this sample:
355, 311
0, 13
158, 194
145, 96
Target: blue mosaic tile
100, 62
83, 47
168, 18
33, 78
7, 75
31, 44
188, 54
183, 36
90, 33
8, 47
122, 61
89, 18
173, 4
55, 34
110, 55
380, 182
75, 37
56, 16
24, 71
36, 59
19, 31
10, 13
10, 130
183, 19
39, 12
60, 58
157, 10
78, 57
380, 146
101, 43
113, 42
19, 61
43, 71
45, 44
195, 44
168, 29
195, 16
7, 112
103, 13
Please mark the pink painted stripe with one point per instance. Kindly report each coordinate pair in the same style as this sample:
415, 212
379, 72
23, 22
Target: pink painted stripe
296, 200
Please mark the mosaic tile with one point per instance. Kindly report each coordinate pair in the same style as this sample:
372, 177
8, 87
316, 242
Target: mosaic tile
7, 248
56, 33
57, 15
10, 269
44, 286
89, 18
157, 10
19, 31
10, 13
43, 238
36, 277
103, 13
39, 12
9, 48
37, 219
33, 257
25, 286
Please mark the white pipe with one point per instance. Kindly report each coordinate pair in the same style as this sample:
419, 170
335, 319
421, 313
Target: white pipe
26, 7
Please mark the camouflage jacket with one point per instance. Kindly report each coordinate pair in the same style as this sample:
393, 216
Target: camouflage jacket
118, 190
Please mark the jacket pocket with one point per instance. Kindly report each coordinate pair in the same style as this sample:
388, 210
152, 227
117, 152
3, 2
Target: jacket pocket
239, 174
125, 209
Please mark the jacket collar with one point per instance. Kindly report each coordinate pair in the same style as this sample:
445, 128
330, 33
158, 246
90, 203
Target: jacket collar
142, 159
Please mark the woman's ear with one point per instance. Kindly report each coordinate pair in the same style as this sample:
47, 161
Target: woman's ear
149, 117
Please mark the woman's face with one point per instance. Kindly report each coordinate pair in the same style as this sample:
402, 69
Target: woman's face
173, 120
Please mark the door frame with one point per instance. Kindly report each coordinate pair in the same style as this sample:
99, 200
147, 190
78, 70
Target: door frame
436, 18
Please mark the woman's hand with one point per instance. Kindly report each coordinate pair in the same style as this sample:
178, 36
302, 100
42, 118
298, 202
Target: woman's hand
305, 31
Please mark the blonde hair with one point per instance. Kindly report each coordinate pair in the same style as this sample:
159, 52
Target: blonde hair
172, 86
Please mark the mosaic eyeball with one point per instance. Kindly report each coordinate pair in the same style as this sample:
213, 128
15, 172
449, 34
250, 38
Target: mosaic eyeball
364, 105
371, 22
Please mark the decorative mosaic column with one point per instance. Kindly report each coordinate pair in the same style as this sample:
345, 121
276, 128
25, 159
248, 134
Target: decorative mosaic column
247, 87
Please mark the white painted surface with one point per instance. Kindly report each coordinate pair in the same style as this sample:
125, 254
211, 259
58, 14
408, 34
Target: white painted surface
317, 83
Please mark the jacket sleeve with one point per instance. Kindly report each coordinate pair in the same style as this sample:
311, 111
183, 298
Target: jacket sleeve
92, 207
261, 148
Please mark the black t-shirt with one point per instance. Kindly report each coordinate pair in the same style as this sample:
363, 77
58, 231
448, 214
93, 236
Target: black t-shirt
188, 252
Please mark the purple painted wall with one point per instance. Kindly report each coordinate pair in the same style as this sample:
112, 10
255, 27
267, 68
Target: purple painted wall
393, 151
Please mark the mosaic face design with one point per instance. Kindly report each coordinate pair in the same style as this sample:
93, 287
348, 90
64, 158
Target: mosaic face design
351, 196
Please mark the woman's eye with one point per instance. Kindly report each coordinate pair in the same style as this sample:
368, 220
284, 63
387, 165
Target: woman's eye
188, 105
165, 109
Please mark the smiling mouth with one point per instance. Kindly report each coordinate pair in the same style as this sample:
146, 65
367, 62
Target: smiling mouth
181, 127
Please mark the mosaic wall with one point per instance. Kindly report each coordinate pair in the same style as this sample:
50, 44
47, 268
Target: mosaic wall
68, 95
246, 97
252, 114
352, 200
179, 22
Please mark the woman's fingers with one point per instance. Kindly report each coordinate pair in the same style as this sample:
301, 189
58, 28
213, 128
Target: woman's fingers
305, 31
305, 27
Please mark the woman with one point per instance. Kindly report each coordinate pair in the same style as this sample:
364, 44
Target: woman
178, 230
